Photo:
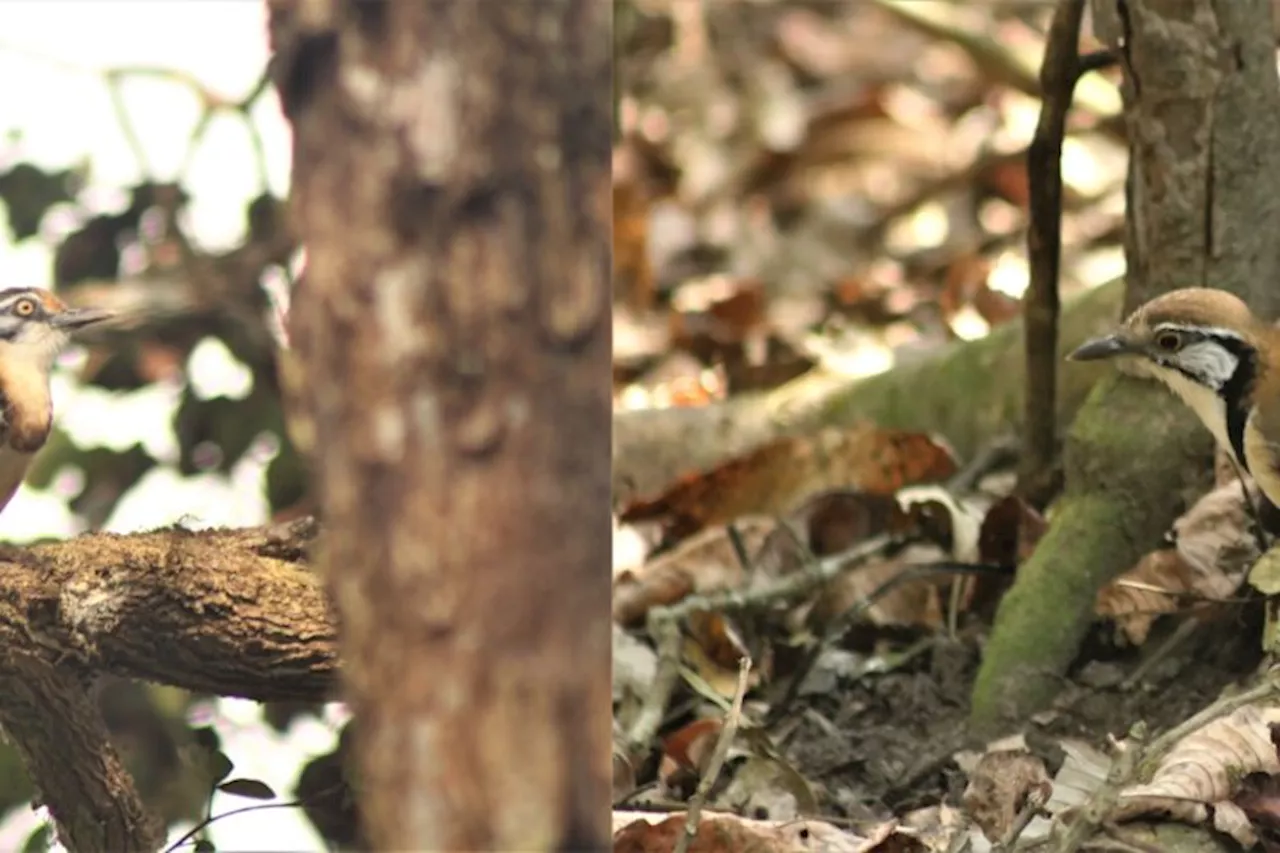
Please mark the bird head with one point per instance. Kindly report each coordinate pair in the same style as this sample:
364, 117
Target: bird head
1204, 344
1197, 333
35, 325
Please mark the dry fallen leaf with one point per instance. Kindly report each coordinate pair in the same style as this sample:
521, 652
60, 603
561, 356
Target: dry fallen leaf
999, 786
1212, 555
686, 751
1138, 597
1215, 538
1010, 532
774, 478
768, 788
720, 832
1259, 802
912, 603
702, 564
827, 523
1202, 773
1083, 772
834, 521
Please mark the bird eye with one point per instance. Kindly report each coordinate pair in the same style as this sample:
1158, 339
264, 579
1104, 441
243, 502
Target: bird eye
1168, 341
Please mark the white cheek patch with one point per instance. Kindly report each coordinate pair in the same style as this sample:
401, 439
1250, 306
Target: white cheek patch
1212, 363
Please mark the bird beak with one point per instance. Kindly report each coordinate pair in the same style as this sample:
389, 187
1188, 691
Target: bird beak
78, 318
1100, 348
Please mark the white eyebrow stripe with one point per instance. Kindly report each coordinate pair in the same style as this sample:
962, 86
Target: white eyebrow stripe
1211, 331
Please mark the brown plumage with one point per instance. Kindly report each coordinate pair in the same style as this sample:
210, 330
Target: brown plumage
1210, 349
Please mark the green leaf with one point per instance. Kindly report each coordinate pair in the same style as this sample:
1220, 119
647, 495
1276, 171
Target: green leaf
220, 766
38, 841
250, 788
204, 845
207, 737
1265, 574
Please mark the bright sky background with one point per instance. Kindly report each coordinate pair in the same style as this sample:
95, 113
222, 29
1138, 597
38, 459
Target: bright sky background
49, 55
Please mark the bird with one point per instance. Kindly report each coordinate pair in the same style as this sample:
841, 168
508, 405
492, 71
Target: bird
1207, 347
35, 327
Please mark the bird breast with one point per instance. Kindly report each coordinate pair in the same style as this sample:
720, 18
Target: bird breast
27, 405
13, 470
1261, 456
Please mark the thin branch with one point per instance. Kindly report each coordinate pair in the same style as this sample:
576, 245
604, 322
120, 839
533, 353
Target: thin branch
1035, 801
211, 104
1096, 61
788, 588
718, 756
1042, 305
666, 633
1007, 65
211, 819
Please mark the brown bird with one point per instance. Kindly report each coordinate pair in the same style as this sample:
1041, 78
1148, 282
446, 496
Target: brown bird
35, 326
1207, 347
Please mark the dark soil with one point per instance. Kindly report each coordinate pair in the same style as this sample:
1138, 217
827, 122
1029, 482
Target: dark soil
884, 744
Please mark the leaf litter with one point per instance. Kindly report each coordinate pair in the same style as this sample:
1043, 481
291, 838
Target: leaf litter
828, 187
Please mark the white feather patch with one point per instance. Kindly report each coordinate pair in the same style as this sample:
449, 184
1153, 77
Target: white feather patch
1209, 361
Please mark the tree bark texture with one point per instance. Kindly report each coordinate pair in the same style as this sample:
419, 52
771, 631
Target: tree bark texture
451, 187
227, 612
1202, 106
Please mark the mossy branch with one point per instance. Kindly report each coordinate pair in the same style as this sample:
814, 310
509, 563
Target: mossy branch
968, 393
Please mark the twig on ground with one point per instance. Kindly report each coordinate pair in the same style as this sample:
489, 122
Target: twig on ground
785, 589
1094, 813
992, 457
1267, 688
846, 619
666, 634
714, 766
1042, 304
1180, 634
664, 625
1036, 798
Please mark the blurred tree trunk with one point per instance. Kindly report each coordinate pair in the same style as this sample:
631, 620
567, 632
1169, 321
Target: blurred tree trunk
451, 169
1202, 108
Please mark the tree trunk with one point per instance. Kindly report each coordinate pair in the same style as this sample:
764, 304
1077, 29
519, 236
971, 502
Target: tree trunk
1202, 105
451, 169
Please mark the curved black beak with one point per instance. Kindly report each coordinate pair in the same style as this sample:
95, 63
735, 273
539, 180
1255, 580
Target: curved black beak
1100, 348
78, 318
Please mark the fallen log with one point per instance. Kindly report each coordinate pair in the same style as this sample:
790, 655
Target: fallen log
967, 393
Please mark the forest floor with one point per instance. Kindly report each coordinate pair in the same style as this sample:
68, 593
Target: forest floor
836, 190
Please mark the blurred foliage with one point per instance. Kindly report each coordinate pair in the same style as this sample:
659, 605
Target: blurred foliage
220, 296
143, 261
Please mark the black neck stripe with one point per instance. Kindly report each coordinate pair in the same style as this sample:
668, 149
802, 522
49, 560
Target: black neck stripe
1235, 392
